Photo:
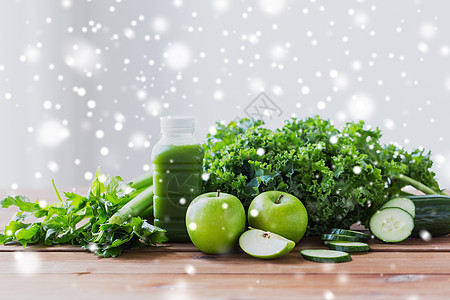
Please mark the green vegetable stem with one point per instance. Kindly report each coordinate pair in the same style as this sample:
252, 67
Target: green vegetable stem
134, 208
143, 181
418, 185
85, 220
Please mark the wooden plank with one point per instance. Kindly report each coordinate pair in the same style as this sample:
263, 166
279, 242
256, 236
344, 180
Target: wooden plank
439, 244
197, 286
40, 248
196, 262
178, 247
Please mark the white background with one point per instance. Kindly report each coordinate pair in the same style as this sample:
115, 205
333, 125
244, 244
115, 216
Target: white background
83, 83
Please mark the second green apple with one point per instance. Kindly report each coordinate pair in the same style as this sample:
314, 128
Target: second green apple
280, 213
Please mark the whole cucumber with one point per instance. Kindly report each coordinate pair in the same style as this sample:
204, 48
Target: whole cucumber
432, 214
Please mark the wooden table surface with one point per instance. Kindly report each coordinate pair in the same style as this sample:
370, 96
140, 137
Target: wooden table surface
411, 270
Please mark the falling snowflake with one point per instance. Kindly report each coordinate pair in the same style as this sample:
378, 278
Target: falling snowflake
160, 24
178, 56
361, 107
272, 7
52, 133
103, 82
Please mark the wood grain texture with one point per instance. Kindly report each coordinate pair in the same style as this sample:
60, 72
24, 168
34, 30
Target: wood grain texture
225, 286
411, 270
439, 244
235, 263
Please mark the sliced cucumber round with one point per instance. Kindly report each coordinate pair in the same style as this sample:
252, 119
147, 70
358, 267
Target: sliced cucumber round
347, 246
360, 235
325, 256
391, 224
339, 237
403, 203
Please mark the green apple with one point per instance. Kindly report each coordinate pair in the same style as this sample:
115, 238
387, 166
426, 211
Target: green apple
215, 221
280, 213
264, 244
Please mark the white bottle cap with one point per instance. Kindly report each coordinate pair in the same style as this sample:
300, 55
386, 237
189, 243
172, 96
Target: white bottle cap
177, 123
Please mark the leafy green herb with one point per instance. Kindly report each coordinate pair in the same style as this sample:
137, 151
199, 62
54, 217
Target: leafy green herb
83, 220
342, 176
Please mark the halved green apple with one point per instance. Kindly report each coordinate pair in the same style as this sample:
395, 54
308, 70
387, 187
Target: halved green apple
264, 244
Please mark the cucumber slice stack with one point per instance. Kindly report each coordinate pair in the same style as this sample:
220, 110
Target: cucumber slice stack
339, 237
391, 224
347, 246
340, 242
325, 256
360, 235
403, 203
346, 240
394, 222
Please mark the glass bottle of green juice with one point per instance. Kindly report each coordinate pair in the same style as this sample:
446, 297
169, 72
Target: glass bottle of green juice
177, 175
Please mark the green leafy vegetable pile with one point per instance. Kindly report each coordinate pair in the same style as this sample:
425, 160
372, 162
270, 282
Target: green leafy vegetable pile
83, 220
341, 176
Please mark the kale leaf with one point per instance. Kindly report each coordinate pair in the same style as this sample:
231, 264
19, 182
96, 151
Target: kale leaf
341, 176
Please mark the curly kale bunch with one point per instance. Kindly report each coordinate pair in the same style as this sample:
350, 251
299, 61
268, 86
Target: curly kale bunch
341, 177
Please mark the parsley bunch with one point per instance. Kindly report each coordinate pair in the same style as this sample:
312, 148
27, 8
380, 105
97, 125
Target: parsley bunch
82, 220
341, 176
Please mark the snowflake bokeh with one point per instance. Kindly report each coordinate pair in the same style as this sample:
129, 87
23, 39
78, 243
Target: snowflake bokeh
83, 83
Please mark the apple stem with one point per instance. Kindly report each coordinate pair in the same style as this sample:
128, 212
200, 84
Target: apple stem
218, 193
279, 198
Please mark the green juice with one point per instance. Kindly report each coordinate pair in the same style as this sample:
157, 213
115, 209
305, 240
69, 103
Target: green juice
177, 180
